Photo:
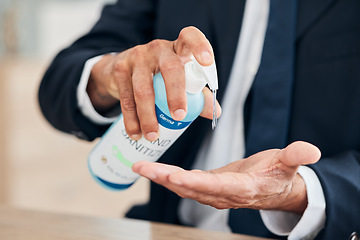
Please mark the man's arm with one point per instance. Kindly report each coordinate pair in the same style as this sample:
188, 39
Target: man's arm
125, 77
124, 24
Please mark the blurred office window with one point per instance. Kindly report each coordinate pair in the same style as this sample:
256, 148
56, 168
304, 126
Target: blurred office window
42, 27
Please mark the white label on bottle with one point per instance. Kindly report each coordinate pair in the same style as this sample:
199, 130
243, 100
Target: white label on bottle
113, 157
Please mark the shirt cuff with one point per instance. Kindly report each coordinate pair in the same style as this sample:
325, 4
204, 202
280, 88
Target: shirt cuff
84, 103
310, 223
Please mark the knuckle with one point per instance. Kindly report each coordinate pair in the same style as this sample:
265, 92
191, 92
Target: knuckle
138, 50
156, 44
138, 54
143, 93
168, 66
149, 125
127, 104
132, 129
121, 67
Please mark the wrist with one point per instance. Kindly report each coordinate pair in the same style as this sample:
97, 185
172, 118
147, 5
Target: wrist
99, 96
296, 199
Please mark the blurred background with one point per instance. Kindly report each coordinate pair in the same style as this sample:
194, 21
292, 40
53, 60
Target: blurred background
40, 167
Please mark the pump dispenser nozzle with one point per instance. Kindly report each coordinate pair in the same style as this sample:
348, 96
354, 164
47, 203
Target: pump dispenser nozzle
196, 77
209, 73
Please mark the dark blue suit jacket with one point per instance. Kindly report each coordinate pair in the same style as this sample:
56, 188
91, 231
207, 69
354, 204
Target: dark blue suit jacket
325, 99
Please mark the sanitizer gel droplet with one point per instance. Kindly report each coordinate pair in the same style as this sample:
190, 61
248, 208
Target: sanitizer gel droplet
214, 120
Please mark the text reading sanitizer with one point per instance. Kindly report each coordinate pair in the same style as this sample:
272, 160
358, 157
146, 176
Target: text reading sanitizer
111, 159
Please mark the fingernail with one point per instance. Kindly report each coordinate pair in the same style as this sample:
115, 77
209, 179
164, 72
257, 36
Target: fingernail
206, 57
152, 136
136, 137
179, 114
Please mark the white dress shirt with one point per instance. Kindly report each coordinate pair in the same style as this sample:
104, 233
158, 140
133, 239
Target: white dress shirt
216, 150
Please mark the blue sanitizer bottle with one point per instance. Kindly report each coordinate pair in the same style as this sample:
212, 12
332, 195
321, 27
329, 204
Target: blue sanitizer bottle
111, 159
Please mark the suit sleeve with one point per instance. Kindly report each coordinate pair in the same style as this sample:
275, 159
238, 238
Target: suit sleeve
122, 25
340, 179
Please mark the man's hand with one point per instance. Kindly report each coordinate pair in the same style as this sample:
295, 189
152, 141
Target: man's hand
128, 77
266, 180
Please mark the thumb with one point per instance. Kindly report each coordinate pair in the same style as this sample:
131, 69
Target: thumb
299, 153
207, 111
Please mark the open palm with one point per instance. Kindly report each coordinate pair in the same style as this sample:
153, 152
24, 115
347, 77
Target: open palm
266, 180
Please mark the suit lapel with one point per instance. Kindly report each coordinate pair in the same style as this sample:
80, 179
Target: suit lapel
226, 17
309, 12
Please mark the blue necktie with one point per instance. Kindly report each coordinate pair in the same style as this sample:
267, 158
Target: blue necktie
270, 101
270, 98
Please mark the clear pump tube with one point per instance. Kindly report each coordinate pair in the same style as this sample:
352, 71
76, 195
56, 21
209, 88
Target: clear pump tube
202, 75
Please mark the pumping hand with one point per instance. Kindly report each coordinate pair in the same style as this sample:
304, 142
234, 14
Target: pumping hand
128, 77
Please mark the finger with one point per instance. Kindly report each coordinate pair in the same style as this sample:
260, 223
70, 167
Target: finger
158, 172
207, 111
162, 173
299, 153
172, 70
192, 41
122, 78
224, 184
144, 96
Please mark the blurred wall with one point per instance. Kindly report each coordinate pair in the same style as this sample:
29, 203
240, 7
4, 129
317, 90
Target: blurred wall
40, 167
3, 166
42, 27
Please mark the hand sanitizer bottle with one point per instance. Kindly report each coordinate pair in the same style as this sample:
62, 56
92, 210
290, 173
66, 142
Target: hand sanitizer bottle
111, 159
